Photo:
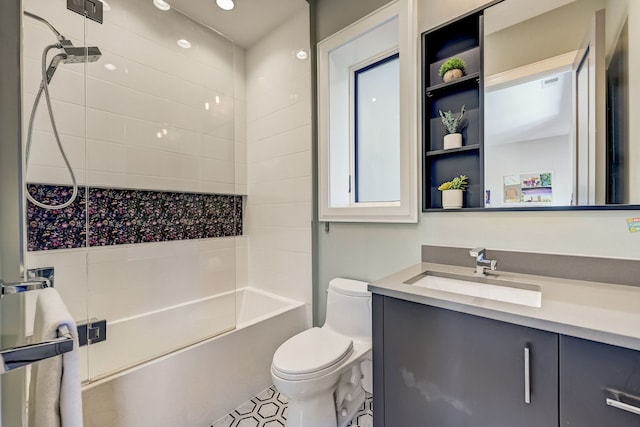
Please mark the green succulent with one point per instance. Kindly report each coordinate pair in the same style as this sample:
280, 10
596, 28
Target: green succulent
450, 121
452, 64
457, 183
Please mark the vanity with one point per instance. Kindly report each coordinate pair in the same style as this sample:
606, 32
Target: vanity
446, 357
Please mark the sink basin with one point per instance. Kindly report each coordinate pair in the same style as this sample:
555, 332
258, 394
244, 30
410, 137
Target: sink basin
480, 287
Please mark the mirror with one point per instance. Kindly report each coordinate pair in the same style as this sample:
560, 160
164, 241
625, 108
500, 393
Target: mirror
558, 103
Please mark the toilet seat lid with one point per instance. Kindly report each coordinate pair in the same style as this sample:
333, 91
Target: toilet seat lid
349, 287
312, 350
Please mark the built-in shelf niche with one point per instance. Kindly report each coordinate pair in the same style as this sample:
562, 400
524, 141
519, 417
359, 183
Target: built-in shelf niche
461, 38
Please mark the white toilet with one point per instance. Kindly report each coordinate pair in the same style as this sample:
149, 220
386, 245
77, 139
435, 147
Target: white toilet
325, 371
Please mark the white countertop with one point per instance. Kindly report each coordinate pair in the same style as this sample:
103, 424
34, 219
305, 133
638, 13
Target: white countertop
601, 312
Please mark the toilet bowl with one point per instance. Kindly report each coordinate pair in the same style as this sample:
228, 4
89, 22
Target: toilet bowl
325, 371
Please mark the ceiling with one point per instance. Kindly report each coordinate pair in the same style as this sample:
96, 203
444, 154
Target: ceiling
247, 22
535, 109
512, 12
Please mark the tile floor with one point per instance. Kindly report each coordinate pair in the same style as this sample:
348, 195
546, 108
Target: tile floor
269, 409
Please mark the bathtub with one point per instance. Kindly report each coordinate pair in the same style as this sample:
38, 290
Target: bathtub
197, 385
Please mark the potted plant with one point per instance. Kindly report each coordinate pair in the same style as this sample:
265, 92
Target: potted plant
452, 123
451, 69
452, 192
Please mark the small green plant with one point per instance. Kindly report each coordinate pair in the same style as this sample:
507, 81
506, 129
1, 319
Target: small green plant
452, 64
450, 121
457, 183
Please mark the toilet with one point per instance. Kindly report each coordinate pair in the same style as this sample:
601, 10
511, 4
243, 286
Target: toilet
325, 371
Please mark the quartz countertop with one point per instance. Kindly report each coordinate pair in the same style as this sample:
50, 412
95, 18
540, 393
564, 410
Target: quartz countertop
607, 313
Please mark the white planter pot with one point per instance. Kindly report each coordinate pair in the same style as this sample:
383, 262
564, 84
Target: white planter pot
452, 199
452, 140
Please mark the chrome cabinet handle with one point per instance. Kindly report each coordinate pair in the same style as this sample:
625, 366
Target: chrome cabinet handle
621, 405
527, 377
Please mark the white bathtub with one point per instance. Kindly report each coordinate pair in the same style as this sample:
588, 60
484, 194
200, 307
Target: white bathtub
201, 383
254, 305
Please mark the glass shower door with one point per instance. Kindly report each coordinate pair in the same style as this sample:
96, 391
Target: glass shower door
161, 172
46, 240
12, 384
55, 140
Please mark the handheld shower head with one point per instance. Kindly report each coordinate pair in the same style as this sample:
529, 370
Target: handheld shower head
72, 55
53, 65
75, 55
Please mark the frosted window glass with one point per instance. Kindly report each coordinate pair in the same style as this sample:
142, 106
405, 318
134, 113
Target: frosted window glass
377, 136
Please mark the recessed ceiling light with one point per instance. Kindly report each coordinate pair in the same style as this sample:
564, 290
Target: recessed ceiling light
185, 44
225, 4
159, 135
110, 67
161, 4
217, 99
207, 106
302, 54
105, 6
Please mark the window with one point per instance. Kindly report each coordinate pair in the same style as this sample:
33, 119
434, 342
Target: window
376, 139
367, 116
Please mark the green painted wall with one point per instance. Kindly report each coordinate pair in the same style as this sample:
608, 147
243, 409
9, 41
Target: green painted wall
333, 15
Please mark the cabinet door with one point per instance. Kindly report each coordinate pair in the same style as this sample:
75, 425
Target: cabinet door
591, 373
448, 369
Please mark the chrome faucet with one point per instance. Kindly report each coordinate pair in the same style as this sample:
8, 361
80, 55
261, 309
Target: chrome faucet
481, 263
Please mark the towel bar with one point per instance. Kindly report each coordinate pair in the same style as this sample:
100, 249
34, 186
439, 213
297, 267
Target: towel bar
17, 357
31, 285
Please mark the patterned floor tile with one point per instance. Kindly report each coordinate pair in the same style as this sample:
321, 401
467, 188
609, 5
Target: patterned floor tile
269, 409
364, 416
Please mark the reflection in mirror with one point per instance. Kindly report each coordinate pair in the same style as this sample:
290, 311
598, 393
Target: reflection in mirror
555, 74
529, 130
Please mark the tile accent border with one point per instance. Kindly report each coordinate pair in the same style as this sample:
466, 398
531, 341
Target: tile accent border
124, 216
603, 270
59, 228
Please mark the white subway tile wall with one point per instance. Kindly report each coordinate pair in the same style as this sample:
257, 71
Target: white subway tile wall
162, 118
278, 212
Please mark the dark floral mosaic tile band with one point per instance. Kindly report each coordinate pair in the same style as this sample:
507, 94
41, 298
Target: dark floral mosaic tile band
59, 228
121, 216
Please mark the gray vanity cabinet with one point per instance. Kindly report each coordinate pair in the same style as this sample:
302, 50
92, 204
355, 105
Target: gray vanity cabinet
591, 373
440, 368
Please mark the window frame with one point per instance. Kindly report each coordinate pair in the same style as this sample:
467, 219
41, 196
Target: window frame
406, 210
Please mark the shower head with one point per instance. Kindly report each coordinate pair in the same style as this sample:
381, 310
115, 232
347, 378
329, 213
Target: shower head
72, 55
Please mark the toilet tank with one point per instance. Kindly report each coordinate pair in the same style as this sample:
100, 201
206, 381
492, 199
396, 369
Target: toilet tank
349, 308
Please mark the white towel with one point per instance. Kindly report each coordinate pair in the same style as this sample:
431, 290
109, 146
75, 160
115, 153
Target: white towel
55, 399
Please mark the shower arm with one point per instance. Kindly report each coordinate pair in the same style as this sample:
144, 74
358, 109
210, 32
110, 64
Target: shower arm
44, 21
